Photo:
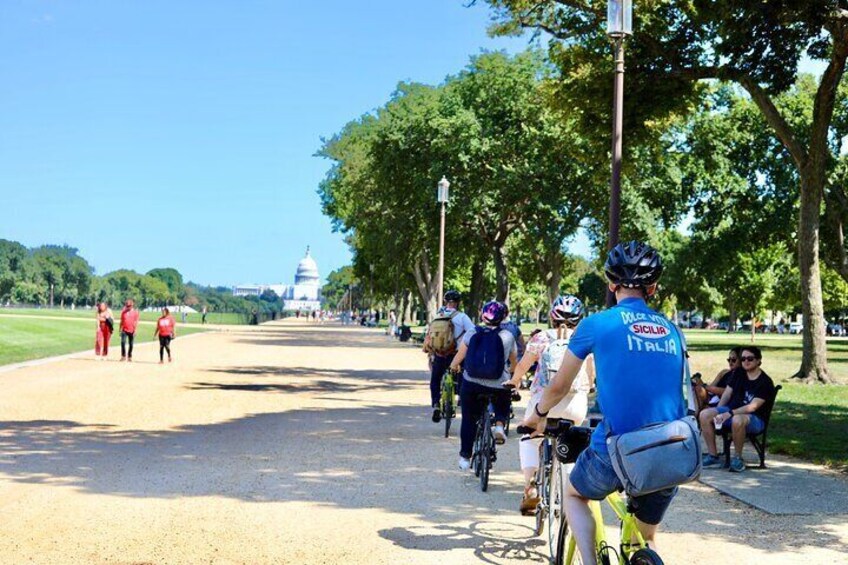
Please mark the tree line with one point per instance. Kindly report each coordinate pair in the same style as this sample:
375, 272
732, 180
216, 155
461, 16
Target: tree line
733, 162
57, 275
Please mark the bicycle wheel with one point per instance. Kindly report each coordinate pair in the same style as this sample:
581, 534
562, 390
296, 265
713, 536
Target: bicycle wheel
555, 510
487, 445
646, 556
543, 493
476, 456
563, 545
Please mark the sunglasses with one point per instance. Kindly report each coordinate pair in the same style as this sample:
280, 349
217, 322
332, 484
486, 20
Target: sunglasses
746, 358
731, 359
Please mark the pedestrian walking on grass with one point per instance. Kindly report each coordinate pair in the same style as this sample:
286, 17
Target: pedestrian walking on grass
129, 322
203, 315
105, 326
166, 328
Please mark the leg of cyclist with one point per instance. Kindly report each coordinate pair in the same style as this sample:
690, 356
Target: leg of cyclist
528, 455
472, 409
501, 406
582, 524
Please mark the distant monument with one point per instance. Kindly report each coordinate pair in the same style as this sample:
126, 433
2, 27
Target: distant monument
304, 294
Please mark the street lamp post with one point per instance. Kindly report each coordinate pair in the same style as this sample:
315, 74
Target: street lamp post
619, 25
442, 198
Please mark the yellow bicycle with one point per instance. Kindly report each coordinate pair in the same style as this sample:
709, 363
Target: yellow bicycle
631, 548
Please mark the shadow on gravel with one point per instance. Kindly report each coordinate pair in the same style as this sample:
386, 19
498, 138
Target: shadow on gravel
492, 542
366, 380
321, 339
388, 457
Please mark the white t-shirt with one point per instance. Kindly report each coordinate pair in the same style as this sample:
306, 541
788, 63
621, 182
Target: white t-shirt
462, 324
508, 346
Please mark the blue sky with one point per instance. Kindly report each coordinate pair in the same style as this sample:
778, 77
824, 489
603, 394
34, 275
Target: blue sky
161, 133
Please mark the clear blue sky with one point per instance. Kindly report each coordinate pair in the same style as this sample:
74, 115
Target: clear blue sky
181, 133
163, 133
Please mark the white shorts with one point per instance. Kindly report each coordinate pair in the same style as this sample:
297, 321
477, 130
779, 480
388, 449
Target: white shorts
573, 407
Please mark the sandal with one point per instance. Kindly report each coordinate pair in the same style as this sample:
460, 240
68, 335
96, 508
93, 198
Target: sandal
530, 502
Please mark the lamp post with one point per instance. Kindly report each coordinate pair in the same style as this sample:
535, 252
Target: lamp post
619, 25
442, 198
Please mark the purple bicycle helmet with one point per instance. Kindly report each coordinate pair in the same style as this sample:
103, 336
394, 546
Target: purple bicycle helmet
493, 313
566, 309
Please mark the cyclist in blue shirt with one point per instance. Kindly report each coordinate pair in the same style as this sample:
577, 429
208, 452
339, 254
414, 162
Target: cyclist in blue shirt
638, 359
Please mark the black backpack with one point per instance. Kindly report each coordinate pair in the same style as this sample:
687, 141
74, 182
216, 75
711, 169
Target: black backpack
485, 357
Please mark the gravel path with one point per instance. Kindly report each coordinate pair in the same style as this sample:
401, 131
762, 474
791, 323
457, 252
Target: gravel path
292, 443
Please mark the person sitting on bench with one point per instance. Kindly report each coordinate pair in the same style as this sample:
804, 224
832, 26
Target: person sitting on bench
741, 409
708, 395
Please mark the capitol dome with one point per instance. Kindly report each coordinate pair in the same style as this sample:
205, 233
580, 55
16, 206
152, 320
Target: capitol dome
307, 271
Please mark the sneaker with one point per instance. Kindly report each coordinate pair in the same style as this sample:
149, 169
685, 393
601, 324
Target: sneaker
161, 362
710, 460
500, 435
737, 465
437, 415
464, 464
129, 359
123, 359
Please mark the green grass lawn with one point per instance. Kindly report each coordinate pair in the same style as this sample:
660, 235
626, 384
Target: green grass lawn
228, 318
24, 339
809, 421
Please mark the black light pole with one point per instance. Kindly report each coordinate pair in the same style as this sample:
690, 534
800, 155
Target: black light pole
619, 25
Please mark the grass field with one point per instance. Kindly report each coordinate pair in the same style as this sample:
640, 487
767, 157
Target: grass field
227, 318
24, 339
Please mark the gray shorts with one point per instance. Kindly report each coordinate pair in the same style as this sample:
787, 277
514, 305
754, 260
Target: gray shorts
594, 477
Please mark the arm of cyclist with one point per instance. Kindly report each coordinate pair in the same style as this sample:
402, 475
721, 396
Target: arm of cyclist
555, 391
459, 357
523, 366
513, 359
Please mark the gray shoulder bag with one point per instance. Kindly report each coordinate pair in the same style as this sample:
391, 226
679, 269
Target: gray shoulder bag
661, 455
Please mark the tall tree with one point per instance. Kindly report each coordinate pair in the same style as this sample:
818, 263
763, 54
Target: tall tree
680, 43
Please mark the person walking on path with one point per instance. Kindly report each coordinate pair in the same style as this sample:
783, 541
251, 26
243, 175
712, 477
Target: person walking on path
203, 314
129, 323
105, 326
166, 329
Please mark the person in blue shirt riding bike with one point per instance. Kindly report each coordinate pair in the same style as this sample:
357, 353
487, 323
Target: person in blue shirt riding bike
638, 358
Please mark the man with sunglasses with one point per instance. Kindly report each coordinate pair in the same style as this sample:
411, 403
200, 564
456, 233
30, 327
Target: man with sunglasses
742, 407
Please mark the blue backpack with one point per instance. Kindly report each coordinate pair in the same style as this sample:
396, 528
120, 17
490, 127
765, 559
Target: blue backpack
485, 357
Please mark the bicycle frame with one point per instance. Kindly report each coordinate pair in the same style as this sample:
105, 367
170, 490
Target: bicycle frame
628, 531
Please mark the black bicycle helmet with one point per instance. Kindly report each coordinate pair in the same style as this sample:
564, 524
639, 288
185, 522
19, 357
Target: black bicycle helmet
453, 296
633, 265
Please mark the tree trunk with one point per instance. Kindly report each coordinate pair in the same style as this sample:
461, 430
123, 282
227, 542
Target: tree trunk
553, 275
814, 358
428, 285
753, 327
475, 296
731, 325
501, 273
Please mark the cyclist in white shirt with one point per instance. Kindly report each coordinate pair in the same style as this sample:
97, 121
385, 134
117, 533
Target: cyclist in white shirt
547, 349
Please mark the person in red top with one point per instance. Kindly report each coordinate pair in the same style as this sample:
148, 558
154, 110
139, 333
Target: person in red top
166, 330
104, 331
129, 322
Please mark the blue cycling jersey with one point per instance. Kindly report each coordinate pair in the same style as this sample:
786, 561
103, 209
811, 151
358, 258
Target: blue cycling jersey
638, 366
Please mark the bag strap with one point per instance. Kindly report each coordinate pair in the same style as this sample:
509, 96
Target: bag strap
685, 375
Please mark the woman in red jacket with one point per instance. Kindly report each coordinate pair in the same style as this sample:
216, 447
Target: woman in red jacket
166, 330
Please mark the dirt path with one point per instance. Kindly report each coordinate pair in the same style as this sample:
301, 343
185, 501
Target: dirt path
291, 444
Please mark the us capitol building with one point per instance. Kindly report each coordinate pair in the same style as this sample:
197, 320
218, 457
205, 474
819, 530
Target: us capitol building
304, 294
